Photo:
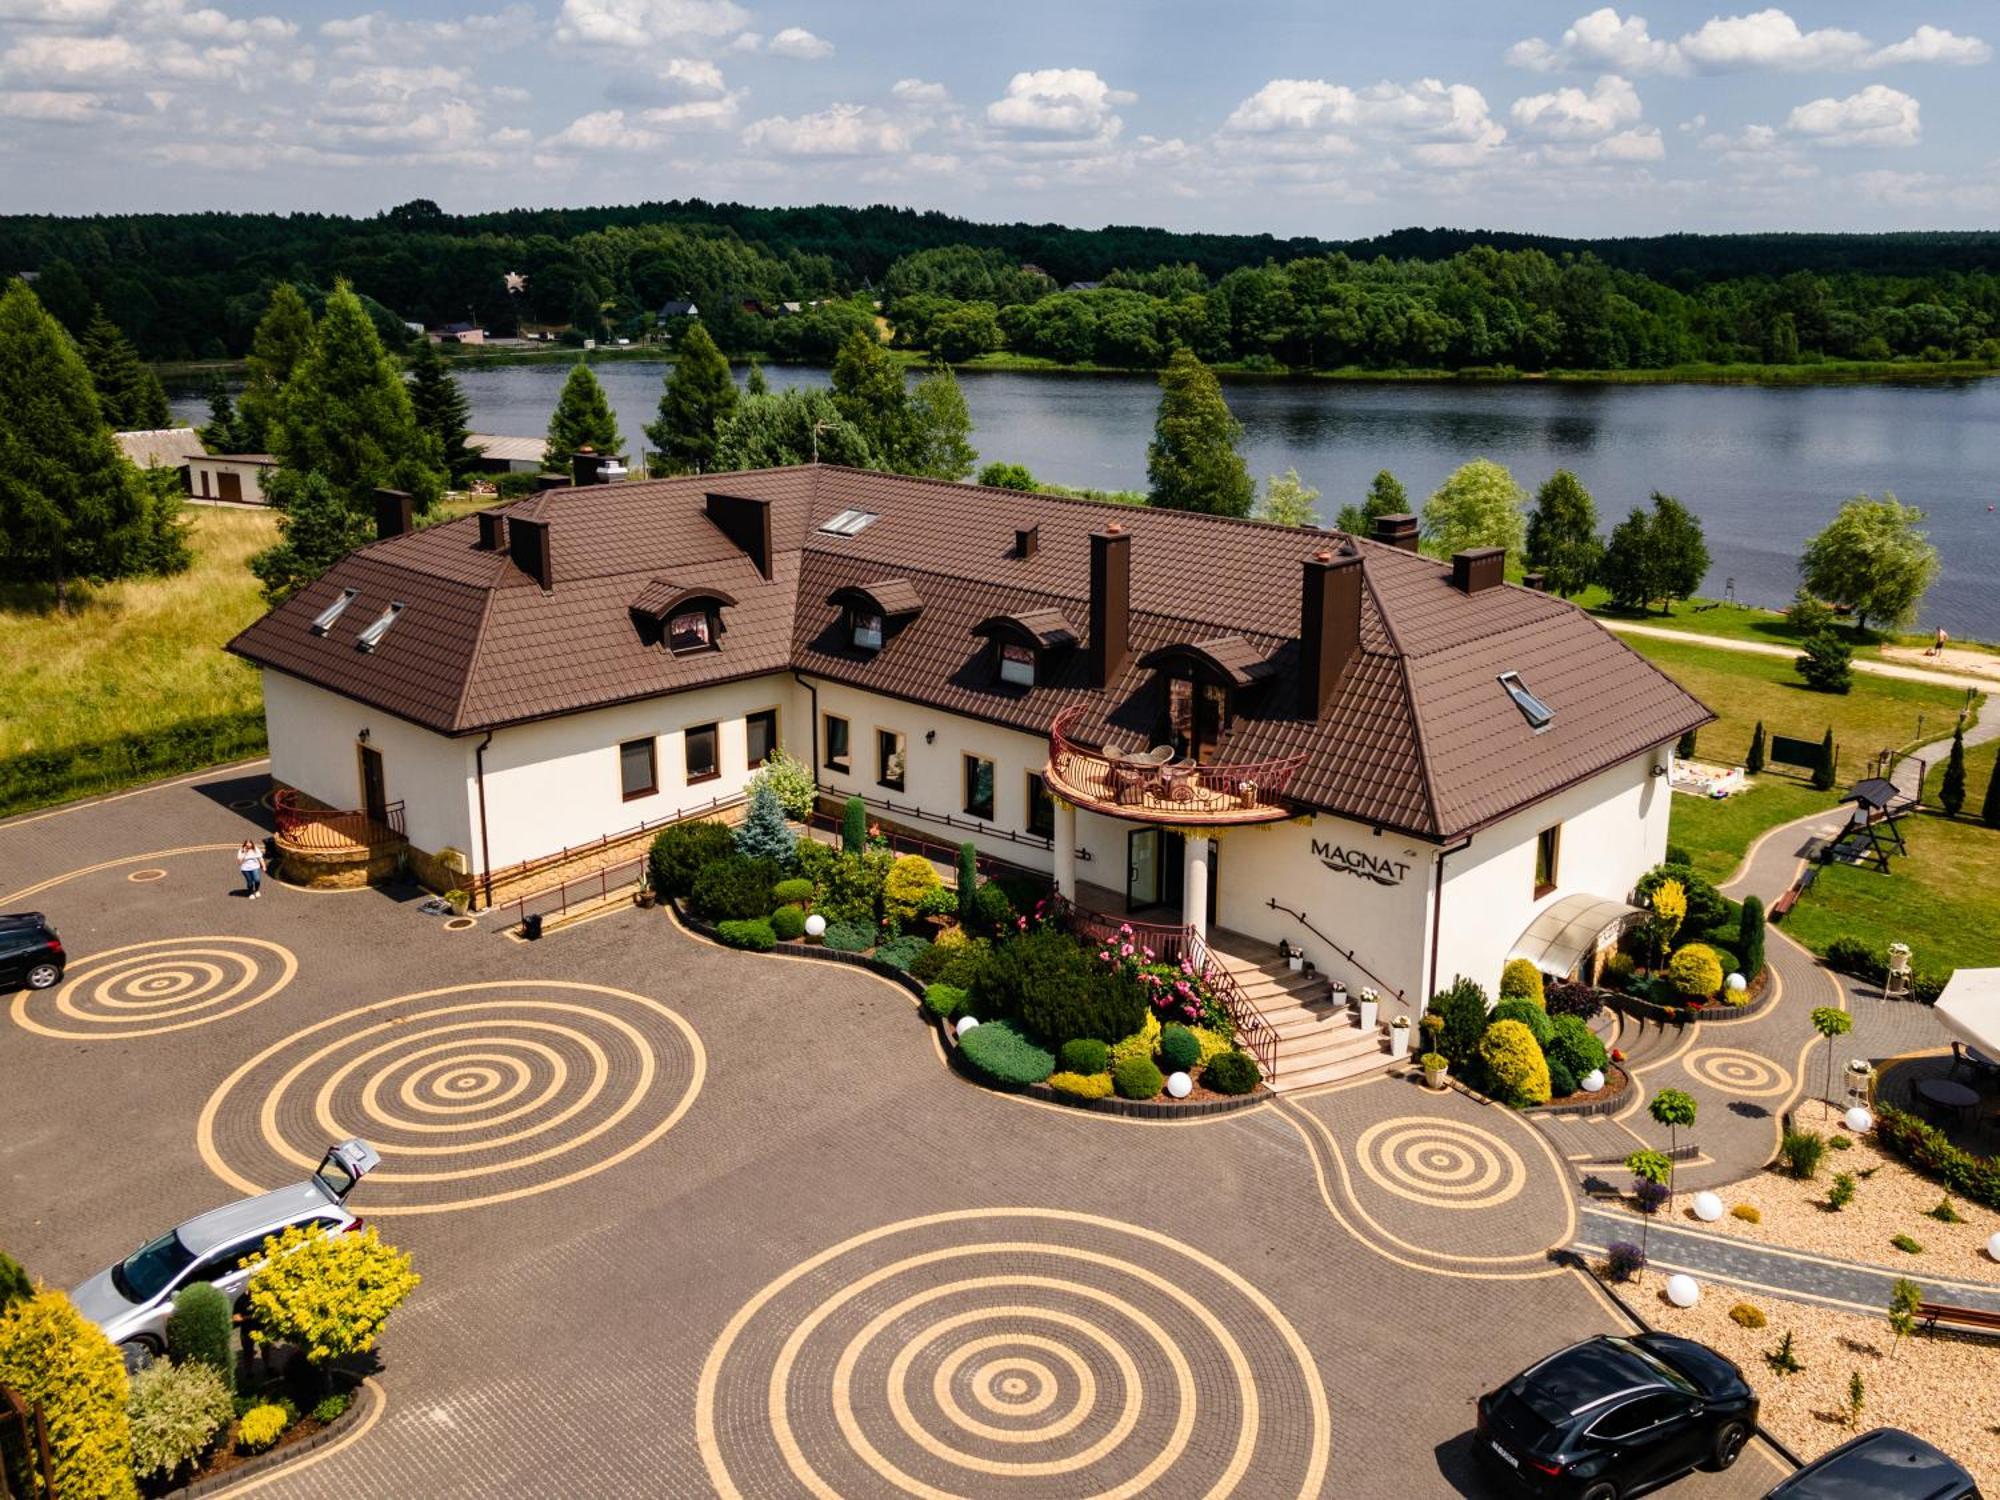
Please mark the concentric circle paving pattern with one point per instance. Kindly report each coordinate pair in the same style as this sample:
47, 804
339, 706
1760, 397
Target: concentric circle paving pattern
1441, 1163
475, 1094
1743, 1074
1012, 1352
145, 989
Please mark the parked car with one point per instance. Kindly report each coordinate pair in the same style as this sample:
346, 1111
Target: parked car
30, 952
1881, 1465
132, 1300
1614, 1416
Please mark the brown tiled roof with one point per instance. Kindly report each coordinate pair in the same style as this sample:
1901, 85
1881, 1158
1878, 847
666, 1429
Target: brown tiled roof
1047, 628
1420, 737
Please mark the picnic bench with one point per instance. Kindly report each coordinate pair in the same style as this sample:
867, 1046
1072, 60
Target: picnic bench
1798, 888
1975, 1319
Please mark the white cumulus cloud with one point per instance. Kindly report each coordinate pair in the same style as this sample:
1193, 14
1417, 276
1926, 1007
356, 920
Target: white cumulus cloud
1877, 116
840, 130
796, 41
1569, 114
644, 23
1059, 101
1766, 39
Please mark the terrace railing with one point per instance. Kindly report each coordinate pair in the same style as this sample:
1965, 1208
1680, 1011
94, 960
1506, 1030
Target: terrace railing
1251, 791
327, 828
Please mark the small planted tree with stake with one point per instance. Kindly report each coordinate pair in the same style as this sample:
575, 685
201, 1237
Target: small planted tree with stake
1830, 1021
1650, 1170
1674, 1109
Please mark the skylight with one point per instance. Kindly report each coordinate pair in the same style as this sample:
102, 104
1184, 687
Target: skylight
323, 621
1538, 714
372, 636
849, 522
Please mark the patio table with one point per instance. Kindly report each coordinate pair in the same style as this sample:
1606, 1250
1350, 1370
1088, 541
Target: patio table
1946, 1094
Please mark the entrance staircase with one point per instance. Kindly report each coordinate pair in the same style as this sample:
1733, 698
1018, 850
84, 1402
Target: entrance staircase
1319, 1039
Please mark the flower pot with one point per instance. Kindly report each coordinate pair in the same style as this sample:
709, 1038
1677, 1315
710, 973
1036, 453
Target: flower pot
1399, 1041
646, 900
1369, 1009
1434, 1077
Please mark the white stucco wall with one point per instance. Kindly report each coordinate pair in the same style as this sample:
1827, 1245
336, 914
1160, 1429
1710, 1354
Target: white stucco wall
315, 742
209, 469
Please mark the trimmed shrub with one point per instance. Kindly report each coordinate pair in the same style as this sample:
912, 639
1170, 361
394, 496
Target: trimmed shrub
1562, 1082
1726, 960
1082, 1085
1085, 1054
734, 886
1514, 1064
1842, 1192
968, 883
1619, 968
1747, 1212
1906, 1244
1521, 980
944, 1000
909, 881
793, 892
902, 952
854, 826
1931, 1152
965, 964
788, 923
991, 910
332, 1408
1623, 1260
1750, 937
1575, 1046
1529, 1015
1137, 1078
1706, 906
1179, 1051
851, 889
939, 901
999, 1053
1694, 971
850, 937
1232, 1073
1744, 1315
763, 833
1801, 1150
1566, 997
176, 1412
260, 1427
198, 1330
679, 852
1212, 1043
50, 1353
753, 934
1463, 1010
1141, 1043
1058, 990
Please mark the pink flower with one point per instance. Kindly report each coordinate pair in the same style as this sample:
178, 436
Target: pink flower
1149, 954
1105, 954
1125, 929
1021, 923
1125, 950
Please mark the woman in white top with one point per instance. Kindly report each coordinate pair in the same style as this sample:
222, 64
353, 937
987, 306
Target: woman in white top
250, 860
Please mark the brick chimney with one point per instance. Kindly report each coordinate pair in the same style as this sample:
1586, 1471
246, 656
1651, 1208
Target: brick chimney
1329, 628
1026, 540
1398, 531
1110, 604
1478, 569
1539, 582
747, 523
528, 543
393, 513
492, 531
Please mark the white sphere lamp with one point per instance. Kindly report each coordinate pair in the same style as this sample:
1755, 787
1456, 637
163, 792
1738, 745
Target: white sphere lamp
1993, 1245
1179, 1085
1707, 1207
1592, 1081
966, 1024
1737, 984
1682, 1291
1858, 1120
815, 926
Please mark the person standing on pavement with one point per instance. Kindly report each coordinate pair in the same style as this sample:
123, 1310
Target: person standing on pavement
250, 861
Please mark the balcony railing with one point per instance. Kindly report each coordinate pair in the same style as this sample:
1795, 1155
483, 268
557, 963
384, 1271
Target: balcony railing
328, 830
1178, 791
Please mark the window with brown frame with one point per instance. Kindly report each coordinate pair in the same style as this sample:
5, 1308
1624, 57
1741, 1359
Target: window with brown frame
837, 750
979, 788
1548, 852
703, 761
638, 768
691, 630
891, 759
1041, 807
760, 736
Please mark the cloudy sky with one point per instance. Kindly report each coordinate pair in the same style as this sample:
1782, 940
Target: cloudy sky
1296, 116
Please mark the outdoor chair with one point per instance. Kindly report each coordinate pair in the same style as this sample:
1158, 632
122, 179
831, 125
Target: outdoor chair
1161, 755
1981, 1069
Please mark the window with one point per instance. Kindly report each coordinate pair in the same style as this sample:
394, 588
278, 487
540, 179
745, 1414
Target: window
638, 769
1635, 1417
370, 638
703, 764
691, 630
1548, 850
1017, 665
979, 788
1041, 807
867, 630
889, 759
760, 736
323, 621
836, 744
1538, 714
848, 522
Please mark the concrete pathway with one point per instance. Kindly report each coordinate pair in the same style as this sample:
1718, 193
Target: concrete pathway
1911, 767
1866, 665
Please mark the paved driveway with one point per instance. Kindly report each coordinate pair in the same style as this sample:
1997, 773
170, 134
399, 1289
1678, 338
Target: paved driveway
694, 1222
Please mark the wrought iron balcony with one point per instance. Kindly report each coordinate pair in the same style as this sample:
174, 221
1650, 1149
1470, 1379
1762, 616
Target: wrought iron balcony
1175, 791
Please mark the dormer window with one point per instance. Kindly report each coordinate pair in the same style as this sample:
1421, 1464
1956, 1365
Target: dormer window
870, 611
691, 630
372, 636
1023, 645
686, 619
866, 630
323, 621
1538, 714
1017, 665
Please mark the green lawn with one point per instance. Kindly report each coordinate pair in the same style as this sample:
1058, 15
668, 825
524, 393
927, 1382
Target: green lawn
1743, 622
1979, 760
1716, 833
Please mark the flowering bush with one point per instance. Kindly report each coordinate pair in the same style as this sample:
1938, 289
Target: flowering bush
1177, 992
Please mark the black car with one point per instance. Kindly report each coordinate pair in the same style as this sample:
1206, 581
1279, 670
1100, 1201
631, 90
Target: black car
1617, 1416
30, 952
1881, 1465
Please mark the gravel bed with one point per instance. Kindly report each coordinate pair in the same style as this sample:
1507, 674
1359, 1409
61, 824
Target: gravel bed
1937, 1386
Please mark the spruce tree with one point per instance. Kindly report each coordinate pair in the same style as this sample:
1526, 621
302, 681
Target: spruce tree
869, 394
763, 834
220, 435
129, 393
71, 506
1754, 762
582, 419
1192, 462
1951, 795
940, 428
1386, 497
442, 410
1562, 534
699, 394
1989, 810
346, 414
754, 383
316, 528
283, 336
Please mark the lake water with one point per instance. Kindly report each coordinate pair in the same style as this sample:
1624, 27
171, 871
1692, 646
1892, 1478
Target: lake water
1765, 468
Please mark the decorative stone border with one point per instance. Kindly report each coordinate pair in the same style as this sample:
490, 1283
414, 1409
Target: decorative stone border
1610, 1104
1142, 1109
360, 1397
1761, 998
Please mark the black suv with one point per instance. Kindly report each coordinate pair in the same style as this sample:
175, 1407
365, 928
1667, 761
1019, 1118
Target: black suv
30, 952
1881, 1465
1617, 1416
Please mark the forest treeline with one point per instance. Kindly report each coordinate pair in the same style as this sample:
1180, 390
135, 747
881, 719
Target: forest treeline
194, 285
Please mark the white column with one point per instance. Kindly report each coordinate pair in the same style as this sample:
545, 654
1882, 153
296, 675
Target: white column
1194, 884
1065, 850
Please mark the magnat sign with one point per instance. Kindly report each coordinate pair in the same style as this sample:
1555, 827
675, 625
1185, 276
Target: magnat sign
1361, 864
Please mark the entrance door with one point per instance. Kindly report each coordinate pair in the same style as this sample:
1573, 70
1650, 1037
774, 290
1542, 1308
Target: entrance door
1153, 873
374, 799
230, 485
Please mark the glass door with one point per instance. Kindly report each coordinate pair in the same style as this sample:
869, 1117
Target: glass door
1142, 870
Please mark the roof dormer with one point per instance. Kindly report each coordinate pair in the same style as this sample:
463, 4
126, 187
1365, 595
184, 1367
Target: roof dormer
1022, 644
873, 611
685, 618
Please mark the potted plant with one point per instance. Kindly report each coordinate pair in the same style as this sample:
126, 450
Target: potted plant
1370, 1007
459, 900
646, 897
1399, 1037
1436, 1065
1294, 959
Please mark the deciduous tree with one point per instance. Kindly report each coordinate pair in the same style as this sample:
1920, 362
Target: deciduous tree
939, 441
1002, 476
1192, 462
1562, 534
1288, 500
583, 418
698, 397
328, 1295
1874, 558
1478, 505
870, 395
790, 427
1386, 497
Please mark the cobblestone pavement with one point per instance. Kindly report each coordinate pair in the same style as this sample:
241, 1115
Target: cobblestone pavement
692, 1221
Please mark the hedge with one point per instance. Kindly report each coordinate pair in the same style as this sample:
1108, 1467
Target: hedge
753, 933
1003, 1056
681, 849
40, 777
735, 885
1931, 1152
1082, 1085
49, 1353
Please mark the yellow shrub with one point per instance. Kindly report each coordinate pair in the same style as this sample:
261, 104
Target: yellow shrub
1142, 1043
328, 1294
1747, 1315
1670, 906
953, 937
1515, 1063
1695, 971
1521, 980
910, 878
1213, 1044
49, 1352
1747, 1212
1082, 1085
260, 1427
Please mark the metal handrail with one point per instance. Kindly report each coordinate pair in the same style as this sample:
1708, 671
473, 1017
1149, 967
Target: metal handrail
1347, 953
948, 820
331, 827
568, 852
1182, 787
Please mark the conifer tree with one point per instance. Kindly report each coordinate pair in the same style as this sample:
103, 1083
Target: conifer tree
283, 336
220, 434
1754, 762
1951, 796
442, 410
763, 834
1562, 534
71, 506
754, 384
316, 529
698, 396
129, 393
582, 419
1386, 497
1989, 810
1192, 462
1822, 776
